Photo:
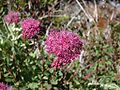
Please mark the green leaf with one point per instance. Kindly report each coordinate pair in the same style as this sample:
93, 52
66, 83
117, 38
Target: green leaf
54, 82
33, 85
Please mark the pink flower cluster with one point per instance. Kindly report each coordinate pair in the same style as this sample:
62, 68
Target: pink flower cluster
30, 27
5, 87
65, 45
12, 17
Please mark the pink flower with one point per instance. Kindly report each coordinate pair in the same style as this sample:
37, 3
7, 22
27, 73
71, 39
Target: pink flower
9, 88
5, 87
65, 45
12, 17
2, 86
30, 28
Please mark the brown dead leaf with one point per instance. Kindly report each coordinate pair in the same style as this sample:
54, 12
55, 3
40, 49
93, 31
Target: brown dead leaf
102, 23
117, 76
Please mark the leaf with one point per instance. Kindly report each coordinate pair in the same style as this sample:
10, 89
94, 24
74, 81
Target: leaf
102, 23
76, 82
33, 85
9, 79
116, 28
111, 86
54, 82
